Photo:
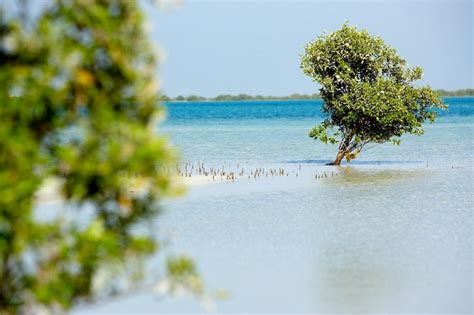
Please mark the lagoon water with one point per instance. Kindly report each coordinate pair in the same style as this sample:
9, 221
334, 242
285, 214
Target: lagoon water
391, 232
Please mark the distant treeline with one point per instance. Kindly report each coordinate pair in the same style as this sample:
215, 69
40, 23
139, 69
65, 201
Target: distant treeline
294, 96
463, 92
239, 97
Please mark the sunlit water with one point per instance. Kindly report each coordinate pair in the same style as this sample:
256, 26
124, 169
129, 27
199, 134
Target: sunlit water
392, 232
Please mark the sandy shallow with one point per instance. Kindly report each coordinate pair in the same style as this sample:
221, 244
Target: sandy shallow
197, 180
50, 190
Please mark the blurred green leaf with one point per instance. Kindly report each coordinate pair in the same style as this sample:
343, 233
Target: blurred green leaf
78, 103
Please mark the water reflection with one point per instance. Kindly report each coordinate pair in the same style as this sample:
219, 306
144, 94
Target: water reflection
353, 286
387, 243
356, 176
384, 240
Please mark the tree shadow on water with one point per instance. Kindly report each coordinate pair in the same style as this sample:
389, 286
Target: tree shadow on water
348, 175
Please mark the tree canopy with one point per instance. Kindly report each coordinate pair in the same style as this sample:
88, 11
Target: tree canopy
78, 104
368, 91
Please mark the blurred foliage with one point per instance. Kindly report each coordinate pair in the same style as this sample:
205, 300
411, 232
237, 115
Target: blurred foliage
183, 279
368, 91
182, 272
78, 103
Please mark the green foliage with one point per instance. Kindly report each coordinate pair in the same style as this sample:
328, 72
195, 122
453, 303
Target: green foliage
321, 132
78, 104
183, 274
368, 91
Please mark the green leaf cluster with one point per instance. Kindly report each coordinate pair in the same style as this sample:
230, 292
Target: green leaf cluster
78, 104
369, 92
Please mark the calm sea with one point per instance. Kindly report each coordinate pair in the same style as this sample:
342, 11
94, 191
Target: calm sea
392, 232
277, 131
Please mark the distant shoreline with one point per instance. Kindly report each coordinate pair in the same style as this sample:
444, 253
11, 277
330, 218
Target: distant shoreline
295, 96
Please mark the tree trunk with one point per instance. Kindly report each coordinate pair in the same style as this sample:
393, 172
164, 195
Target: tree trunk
343, 150
339, 157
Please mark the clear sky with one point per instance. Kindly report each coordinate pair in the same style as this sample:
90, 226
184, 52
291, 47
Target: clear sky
254, 47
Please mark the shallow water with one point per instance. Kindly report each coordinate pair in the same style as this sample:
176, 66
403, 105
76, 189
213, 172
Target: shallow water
277, 131
392, 232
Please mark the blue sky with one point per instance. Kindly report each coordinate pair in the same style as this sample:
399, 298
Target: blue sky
254, 47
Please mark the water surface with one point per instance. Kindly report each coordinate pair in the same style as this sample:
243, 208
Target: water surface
392, 232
